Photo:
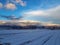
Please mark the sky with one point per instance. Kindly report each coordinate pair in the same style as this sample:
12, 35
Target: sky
38, 10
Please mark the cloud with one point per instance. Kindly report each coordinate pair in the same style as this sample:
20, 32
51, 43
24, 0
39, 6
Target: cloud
1, 5
52, 14
10, 6
36, 13
22, 3
17, 1
49, 23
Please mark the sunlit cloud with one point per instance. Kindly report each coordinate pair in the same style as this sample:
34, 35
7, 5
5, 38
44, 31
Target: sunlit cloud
10, 6
20, 2
49, 23
23, 3
52, 24
1, 5
17, 1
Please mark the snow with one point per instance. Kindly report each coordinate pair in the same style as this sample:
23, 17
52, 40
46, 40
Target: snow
30, 37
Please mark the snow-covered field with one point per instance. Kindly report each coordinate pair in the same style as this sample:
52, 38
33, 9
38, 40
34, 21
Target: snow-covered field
30, 37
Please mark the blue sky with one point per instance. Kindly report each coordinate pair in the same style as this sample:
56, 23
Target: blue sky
39, 10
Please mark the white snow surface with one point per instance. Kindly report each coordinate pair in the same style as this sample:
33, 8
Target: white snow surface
30, 37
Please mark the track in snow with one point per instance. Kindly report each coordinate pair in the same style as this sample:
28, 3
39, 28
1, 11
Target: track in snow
30, 37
